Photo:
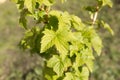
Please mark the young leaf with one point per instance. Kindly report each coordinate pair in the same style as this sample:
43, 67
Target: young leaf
90, 64
77, 23
59, 64
97, 44
56, 63
61, 42
106, 26
85, 73
52, 61
47, 40
59, 68
30, 4
67, 62
106, 2
69, 76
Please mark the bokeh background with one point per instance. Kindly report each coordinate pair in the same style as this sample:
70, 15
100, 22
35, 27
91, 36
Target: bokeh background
16, 64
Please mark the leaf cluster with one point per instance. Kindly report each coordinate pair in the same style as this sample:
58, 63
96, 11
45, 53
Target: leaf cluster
63, 40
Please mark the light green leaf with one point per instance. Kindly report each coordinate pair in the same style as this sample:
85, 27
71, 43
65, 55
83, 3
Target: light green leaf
83, 58
97, 44
107, 2
61, 46
59, 68
45, 2
64, 21
89, 64
106, 26
59, 64
66, 62
40, 1
55, 13
56, 63
47, 40
30, 4
52, 61
61, 43
77, 23
79, 61
71, 76
85, 73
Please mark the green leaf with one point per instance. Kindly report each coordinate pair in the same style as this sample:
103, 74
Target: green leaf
106, 26
45, 2
20, 4
47, 40
30, 5
67, 62
56, 63
91, 38
85, 73
91, 9
55, 13
83, 58
53, 22
97, 44
90, 64
59, 64
59, 68
61, 42
71, 76
52, 61
23, 20
77, 23
79, 60
106, 2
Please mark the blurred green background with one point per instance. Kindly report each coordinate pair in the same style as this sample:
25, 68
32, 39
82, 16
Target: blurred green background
16, 64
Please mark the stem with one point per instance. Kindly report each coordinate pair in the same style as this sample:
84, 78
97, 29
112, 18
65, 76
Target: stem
95, 17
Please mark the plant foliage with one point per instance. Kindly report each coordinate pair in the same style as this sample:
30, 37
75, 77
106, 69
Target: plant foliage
64, 41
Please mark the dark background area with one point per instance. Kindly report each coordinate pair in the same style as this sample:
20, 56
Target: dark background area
16, 64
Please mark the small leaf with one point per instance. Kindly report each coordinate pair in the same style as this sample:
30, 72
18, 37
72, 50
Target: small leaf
106, 26
30, 4
106, 2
